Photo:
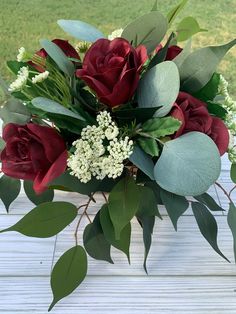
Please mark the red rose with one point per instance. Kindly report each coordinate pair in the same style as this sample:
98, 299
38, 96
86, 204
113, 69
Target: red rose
194, 116
112, 68
33, 152
172, 52
68, 50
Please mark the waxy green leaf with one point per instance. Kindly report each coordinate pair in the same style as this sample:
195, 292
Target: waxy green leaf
68, 273
233, 173
45, 220
14, 111
180, 172
9, 190
210, 90
209, 201
187, 28
37, 199
231, 218
207, 226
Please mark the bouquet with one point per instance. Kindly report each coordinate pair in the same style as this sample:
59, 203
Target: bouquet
133, 116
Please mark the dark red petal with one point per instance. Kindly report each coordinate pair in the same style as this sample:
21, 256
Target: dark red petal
220, 135
142, 56
177, 113
173, 52
9, 130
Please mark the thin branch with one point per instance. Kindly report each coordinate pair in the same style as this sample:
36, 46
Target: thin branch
225, 192
105, 198
232, 190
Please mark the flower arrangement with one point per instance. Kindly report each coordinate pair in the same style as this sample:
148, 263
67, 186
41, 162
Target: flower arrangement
132, 116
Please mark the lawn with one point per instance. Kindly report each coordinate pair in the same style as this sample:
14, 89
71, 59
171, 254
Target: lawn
23, 23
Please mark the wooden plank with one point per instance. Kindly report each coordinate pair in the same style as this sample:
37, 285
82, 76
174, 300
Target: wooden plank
123, 295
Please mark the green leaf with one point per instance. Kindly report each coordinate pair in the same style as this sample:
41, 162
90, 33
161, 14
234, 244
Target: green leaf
198, 68
210, 90
2, 144
187, 28
161, 55
154, 7
123, 243
137, 114
147, 30
216, 110
45, 220
9, 190
80, 30
95, 242
172, 14
149, 146
57, 55
207, 226
68, 273
159, 87
233, 173
14, 66
188, 165
144, 162
207, 200
175, 205
123, 203
46, 196
148, 202
160, 127
14, 111
156, 190
231, 218
180, 58
52, 106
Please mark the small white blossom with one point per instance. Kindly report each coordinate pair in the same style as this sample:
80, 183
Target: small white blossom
223, 86
115, 34
40, 77
20, 81
21, 54
94, 157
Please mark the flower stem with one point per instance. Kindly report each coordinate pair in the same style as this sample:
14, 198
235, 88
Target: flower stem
225, 192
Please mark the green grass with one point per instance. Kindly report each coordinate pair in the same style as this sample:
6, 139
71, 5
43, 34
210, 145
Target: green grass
23, 23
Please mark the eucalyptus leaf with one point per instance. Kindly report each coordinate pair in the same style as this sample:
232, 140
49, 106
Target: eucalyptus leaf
207, 226
149, 146
144, 162
80, 30
180, 172
160, 127
45, 220
123, 244
52, 106
147, 30
231, 218
175, 205
180, 58
14, 111
173, 13
37, 199
68, 273
159, 87
123, 203
9, 190
55, 52
187, 28
209, 201
198, 68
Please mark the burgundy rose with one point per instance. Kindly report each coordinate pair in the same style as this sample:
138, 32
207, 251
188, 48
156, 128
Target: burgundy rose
194, 116
112, 69
68, 50
172, 52
33, 152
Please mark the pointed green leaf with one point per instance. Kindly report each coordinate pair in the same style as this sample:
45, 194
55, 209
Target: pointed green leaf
144, 162
95, 242
147, 30
210, 90
148, 202
180, 172
217, 110
207, 200
149, 146
57, 55
156, 190
198, 68
154, 7
207, 226
9, 190
46, 196
45, 220
80, 30
14, 111
175, 205
160, 127
172, 14
68, 273
232, 224
233, 173
159, 87
123, 203
187, 28
123, 243
179, 59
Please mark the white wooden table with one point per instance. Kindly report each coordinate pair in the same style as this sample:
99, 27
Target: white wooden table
185, 274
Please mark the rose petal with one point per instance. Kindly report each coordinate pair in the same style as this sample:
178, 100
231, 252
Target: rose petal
220, 135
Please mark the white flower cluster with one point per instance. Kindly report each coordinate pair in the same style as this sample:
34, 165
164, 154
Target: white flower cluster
115, 34
100, 152
40, 77
20, 81
230, 120
21, 54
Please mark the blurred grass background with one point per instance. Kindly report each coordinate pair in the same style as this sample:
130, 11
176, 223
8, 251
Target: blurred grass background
25, 22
